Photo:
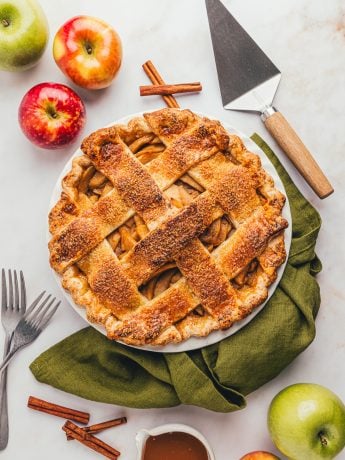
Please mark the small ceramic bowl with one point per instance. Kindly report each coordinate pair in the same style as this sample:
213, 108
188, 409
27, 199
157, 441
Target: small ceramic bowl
142, 435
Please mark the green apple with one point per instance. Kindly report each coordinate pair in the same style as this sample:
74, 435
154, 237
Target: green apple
307, 422
23, 34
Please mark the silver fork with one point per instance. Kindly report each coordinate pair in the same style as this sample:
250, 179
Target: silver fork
13, 306
31, 325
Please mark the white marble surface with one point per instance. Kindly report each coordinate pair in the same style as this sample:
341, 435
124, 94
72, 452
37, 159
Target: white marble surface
307, 42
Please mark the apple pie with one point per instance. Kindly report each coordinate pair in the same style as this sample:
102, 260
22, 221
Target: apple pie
167, 228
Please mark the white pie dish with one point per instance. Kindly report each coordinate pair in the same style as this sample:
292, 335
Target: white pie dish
216, 336
142, 436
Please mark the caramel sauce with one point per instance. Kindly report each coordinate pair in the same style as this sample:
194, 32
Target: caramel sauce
174, 446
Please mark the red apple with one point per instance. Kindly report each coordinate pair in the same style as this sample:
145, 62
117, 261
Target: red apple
51, 115
88, 51
259, 455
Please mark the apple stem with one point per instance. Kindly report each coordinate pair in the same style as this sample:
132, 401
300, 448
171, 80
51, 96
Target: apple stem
323, 439
51, 111
88, 47
5, 22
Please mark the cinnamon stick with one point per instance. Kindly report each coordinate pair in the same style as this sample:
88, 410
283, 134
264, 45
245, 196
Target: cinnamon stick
156, 79
97, 427
90, 441
161, 90
58, 411
92, 429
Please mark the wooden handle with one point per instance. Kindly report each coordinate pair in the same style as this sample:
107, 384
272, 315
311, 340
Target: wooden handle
298, 153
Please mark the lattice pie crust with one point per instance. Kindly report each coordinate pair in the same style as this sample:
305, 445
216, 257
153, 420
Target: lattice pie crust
167, 228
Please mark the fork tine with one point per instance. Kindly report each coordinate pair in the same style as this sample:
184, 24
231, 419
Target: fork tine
3, 291
10, 290
33, 315
16, 291
35, 320
47, 317
22, 292
33, 305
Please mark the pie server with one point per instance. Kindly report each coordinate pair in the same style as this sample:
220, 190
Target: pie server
248, 81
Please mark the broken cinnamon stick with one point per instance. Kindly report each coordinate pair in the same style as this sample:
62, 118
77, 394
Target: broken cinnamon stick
160, 90
90, 441
58, 411
97, 427
92, 429
156, 79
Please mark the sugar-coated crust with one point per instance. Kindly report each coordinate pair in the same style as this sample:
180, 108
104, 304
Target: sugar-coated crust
165, 242
234, 183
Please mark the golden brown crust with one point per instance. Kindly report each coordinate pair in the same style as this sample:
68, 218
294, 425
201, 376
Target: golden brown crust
208, 282
170, 125
200, 140
109, 281
149, 321
249, 241
64, 212
81, 235
113, 158
153, 280
164, 243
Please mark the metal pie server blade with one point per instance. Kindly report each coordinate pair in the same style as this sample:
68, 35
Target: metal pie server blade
248, 80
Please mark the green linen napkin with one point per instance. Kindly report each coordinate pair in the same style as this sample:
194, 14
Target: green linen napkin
217, 377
